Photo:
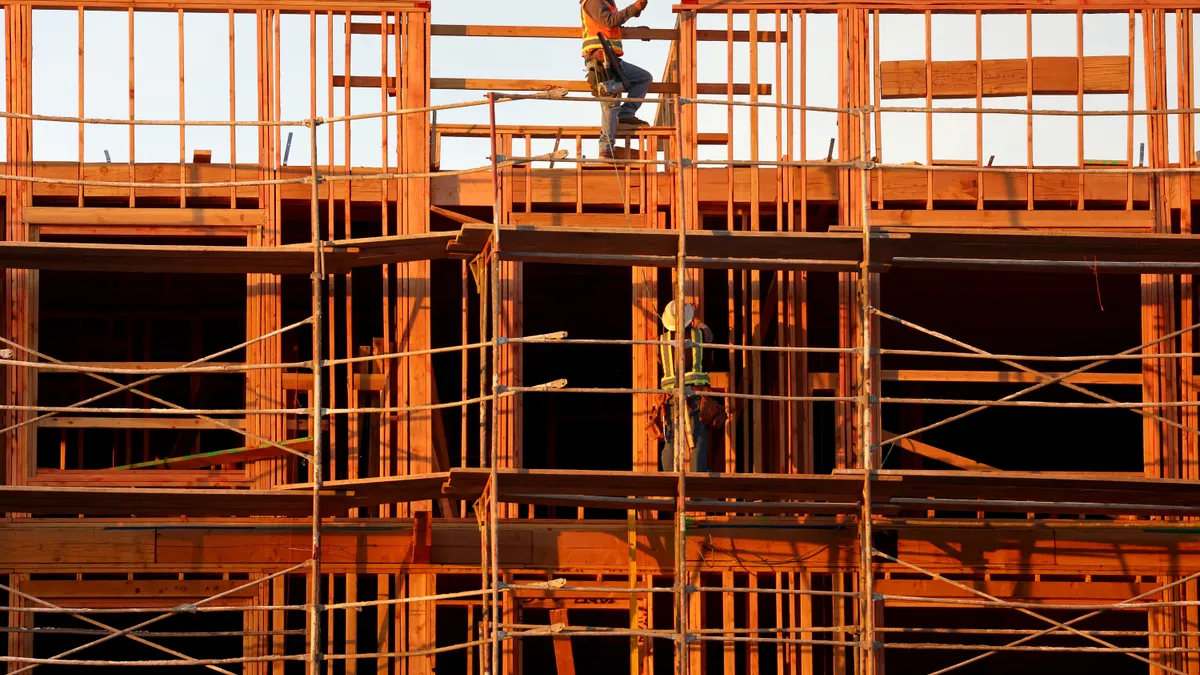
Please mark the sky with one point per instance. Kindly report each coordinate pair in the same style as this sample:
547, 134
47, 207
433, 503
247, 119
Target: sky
206, 76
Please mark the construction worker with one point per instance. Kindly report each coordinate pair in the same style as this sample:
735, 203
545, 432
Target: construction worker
601, 19
703, 411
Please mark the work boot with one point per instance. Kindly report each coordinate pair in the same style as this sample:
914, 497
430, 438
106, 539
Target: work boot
630, 122
617, 153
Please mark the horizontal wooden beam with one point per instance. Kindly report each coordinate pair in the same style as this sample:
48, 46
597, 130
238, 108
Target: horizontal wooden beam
544, 132
1050, 592
158, 222
560, 186
610, 220
361, 381
577, 86
106, 593
87, 422
827, 381
901, 7
154, 478
1006, 77
237, 6
558, 32
1088, 220
593, 546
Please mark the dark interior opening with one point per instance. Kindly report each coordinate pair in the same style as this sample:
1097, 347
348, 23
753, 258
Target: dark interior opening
593, 654
996, 627
47, 645
129, 317
573, 430
1027, 313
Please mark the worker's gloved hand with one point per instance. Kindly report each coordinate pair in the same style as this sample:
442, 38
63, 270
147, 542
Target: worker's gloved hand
639, 7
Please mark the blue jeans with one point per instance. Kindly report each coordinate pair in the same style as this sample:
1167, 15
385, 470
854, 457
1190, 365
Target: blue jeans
699, 461
639, 86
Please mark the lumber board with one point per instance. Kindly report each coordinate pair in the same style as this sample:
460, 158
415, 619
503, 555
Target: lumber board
1097, 220
292, 259
930, 452
575, 86
152, 478
384, 489
142, 502
559, 186
656, 248
836, 250
239, 6
568, 32
102, 593
68, 422
52, 220
741, 544
1052, 75
827, 381
1051, 592
551, 132
1109, 494
596, 220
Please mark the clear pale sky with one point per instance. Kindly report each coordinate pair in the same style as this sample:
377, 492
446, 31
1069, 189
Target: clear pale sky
206, 71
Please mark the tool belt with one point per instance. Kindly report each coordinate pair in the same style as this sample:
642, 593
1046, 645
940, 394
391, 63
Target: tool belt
711, 413
598, 71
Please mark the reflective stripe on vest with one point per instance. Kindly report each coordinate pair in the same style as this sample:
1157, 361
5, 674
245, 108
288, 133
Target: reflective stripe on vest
592, 29
695, 375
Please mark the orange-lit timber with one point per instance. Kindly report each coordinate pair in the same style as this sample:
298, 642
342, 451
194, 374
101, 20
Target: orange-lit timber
961, 392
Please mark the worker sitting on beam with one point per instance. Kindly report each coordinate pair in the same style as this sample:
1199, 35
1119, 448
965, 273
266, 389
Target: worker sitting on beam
608, 74
703, 412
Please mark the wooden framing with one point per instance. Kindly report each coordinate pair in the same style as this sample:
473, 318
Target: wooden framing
772, 573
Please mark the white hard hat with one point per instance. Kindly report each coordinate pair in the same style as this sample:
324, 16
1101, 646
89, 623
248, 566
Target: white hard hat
669, 319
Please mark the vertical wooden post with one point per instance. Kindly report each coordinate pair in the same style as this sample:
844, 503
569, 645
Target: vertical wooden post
383, 624
564, 656
19, 644
264, 388
413, 330
21, 288
729, 647
422, 632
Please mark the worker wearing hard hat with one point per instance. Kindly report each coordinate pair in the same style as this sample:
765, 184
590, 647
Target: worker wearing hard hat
703, 411
609, 75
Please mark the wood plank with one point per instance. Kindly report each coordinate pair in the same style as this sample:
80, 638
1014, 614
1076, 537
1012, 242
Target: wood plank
370, 545
551, 132
566, 32
826, 381
150, 478
143, 221
575, 86
104, 593
67, 422
62, 500
930, 452
599, 220
1091, 220
1006, 77
564, 657
1055, 592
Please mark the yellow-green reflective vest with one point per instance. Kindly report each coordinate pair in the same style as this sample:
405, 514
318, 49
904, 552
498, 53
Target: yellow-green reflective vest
693, 361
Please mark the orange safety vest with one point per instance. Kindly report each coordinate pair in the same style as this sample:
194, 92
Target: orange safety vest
592, 29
